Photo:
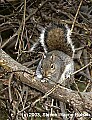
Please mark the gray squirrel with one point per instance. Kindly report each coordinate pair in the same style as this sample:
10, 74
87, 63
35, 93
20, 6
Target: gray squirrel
57, 63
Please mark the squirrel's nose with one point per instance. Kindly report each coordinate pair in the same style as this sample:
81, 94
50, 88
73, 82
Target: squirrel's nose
46, 74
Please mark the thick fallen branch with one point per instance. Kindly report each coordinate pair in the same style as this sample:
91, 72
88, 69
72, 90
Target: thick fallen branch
80, 101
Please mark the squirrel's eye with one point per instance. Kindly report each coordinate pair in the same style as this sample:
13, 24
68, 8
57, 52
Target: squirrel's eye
52, 66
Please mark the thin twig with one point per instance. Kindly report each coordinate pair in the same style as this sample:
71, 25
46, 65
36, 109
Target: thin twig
81, 68
76, 15
9, 40
10, 96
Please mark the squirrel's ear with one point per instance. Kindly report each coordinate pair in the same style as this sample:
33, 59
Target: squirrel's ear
52, 57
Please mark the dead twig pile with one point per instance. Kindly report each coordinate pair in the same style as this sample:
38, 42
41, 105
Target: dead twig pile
21, 95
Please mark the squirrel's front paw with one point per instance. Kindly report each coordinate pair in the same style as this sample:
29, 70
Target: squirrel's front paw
41, 79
